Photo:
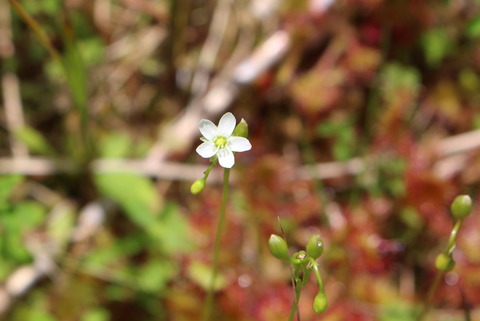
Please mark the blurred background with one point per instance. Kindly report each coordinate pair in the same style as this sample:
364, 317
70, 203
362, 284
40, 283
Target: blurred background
364, 117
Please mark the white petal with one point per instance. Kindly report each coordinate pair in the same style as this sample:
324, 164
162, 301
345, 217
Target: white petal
226, 126
239, 144
225, 158
208, 129
207, 149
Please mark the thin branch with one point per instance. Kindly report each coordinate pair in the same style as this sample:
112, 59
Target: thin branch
10, 86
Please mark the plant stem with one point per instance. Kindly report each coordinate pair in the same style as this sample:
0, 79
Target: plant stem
453, 236
431, 291
207, 313
293, 309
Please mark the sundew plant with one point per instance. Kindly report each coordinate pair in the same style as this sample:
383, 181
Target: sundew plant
132, 187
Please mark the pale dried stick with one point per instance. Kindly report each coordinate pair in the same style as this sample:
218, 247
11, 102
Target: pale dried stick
10, 86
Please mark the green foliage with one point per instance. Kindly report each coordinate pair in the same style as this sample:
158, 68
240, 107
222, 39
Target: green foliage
16, 221
34, 140
436, 45
96, 315
115, 145
136, 194
7, 185
473, 28
397, 311
396, 79
201, 274
343, 136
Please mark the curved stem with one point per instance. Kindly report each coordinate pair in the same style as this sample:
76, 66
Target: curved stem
207, 313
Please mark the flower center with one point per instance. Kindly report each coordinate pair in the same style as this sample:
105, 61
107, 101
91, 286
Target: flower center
220, 142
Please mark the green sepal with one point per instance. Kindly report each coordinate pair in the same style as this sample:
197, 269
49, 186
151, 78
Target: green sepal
241, 129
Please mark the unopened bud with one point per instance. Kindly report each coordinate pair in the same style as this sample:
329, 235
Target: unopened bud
315, 247
299, 258
461, 206
444, 262
197, 186
278, 247
241, 129
320, 303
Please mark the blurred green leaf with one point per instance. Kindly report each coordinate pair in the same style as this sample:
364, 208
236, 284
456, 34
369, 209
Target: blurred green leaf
473, 28
75, 70
60, 225
171, 231
34, 140
50, 7
396, 78
7, 185
96, 315
154, 275
201, 274
398, 311
115, 145
436, 45
136, 194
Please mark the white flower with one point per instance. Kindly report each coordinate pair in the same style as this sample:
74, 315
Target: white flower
219, 140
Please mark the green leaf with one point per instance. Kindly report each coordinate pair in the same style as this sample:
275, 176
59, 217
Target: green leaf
136, 194
436, 45
171, 231
96, 315
75, 71
154, 276
201, 274
34, 140
7, 185
398, 311
115, 145
60, 225
473, 28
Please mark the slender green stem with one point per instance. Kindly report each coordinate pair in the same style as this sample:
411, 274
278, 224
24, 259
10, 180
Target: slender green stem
293, 309
317, 274
433, 288
431, 292
453, 236
207, 313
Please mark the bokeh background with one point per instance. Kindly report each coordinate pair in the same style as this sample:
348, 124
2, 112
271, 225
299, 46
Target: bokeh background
364, 117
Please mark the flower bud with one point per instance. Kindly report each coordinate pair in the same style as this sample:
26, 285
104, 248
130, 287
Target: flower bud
320, 303
278, 247
197, 186
444, 262
315, 247
241, 129
461, 206
299, 258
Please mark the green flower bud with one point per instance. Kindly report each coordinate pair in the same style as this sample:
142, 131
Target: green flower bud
315, 247
278, 247
299, 258
197, 186
461, 206
444, 262
241, 129
320, 303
